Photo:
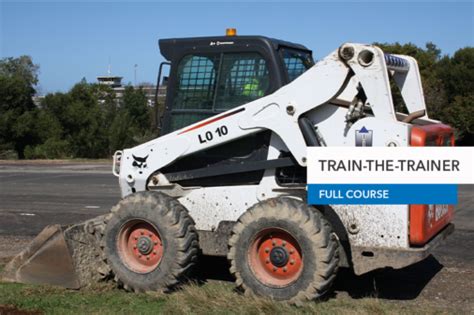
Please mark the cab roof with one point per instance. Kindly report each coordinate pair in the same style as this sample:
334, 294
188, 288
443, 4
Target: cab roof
171, 46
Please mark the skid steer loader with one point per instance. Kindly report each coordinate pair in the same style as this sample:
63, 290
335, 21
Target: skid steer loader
227, 177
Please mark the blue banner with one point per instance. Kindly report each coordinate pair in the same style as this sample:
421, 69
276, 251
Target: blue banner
382, 194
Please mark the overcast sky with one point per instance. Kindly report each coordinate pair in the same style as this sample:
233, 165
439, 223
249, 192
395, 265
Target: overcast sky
72, 40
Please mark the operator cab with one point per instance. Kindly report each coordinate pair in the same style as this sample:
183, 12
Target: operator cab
210, 75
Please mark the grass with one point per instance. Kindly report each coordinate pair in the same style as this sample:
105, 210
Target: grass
210, 298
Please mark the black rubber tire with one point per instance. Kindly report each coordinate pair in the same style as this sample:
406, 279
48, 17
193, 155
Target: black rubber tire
319, 246
177, 232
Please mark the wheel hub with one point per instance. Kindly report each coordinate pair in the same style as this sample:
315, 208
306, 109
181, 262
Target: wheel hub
144, 245
140, 246
279, 256
275, 257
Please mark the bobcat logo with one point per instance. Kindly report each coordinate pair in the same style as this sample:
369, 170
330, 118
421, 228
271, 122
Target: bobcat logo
139, 162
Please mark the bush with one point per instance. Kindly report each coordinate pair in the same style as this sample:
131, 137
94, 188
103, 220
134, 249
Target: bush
8, 154
51, 149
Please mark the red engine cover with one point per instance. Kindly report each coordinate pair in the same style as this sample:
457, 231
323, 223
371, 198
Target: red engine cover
432, 136
427, 220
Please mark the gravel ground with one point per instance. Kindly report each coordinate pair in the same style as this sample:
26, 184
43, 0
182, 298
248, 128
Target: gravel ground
11, 245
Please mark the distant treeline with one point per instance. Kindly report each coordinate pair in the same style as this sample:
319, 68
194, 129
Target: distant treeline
89, 121
86, 122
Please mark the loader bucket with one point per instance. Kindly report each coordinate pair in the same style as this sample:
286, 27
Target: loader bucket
46, 260
68, 256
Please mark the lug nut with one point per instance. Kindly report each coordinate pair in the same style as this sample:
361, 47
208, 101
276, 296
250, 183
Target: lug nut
150, 235
284, 269
275, 268
292, 262
267, 250
292, 251
142, 233
267, 261
148, 258
139, 256
283, 243
274, 243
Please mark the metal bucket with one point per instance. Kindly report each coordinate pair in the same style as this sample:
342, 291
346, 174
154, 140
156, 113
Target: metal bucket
69, 256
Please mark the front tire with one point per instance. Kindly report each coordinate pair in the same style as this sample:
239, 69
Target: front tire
284, 249
151, 243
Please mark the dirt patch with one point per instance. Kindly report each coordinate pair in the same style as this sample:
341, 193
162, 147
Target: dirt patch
11, 245
433, 283
12, 310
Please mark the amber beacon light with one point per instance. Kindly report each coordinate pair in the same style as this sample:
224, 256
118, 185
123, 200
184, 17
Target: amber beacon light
231, 32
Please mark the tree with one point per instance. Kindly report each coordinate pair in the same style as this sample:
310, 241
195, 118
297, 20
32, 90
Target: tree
457, 73
131, 124
135, 104
18, 77
50, 144
122, 131
460, 115
84, 122
21, 67
84, 116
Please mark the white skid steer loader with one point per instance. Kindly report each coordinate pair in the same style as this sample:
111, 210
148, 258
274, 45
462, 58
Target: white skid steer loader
228, 175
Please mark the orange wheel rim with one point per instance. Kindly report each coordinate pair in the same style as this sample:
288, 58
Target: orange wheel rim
275, 257
140, 246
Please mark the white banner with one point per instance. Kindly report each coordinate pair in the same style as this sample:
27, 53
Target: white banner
390, 165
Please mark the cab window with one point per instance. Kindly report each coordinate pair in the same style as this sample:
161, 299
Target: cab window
196, 82
212, 83
244, 78
296, 62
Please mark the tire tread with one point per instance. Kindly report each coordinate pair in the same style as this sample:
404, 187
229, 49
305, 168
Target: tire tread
315, 226
180, 225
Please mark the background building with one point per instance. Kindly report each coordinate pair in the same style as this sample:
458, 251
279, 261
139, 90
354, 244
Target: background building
115, 82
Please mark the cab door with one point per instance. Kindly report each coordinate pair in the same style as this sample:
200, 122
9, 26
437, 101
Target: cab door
208, 84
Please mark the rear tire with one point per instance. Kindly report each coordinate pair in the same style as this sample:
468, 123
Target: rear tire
151, 242
284, 249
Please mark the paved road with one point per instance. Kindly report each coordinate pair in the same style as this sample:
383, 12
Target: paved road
35, 195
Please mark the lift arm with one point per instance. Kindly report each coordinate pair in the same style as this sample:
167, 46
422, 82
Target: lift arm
278, 112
